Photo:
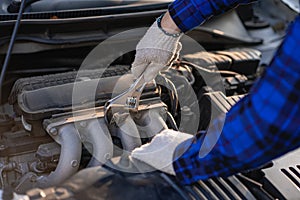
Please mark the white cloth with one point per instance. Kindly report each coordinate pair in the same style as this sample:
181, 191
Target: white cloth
159, 152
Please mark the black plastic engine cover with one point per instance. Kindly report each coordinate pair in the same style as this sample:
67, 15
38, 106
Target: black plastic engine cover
244, 60
38, 98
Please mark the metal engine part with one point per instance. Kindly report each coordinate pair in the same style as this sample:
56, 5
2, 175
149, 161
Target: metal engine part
66, 133
60, 131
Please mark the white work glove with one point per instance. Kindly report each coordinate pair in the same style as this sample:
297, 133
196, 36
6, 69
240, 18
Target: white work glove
159, 152
155, 51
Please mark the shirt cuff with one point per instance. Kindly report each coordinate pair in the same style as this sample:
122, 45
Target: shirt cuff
185, 15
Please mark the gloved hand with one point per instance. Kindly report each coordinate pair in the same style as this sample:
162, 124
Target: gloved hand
159, 152
155, 51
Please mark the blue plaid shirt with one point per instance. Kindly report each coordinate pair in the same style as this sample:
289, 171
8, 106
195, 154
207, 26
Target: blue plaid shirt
188, 14
262, 126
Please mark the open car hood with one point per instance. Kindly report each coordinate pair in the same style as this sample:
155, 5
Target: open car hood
293, 4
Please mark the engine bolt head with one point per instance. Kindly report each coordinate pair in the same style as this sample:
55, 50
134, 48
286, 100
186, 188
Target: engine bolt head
2, 147
107, 156
74, 163
53, 131
33, 179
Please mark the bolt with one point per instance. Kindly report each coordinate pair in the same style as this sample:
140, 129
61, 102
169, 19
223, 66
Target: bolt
2, 147
185, 109
74, 163
33, 178
131, 102
107, 156
53, 131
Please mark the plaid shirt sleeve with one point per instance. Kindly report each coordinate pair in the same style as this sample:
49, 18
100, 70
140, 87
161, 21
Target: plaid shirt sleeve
261, 127
188, 14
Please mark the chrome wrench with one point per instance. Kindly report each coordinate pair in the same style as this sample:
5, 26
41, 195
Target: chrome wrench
128, 99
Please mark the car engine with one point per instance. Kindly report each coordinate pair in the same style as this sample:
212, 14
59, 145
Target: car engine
55, 134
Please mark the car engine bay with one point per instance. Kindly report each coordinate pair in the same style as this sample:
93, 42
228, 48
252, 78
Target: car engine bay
54, 139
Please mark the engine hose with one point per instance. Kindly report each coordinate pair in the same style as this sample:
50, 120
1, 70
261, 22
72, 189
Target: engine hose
69, 159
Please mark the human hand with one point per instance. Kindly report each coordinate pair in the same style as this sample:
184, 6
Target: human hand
159, 152
155, 51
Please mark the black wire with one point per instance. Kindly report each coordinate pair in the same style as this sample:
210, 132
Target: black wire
203, 69
10, 47
173, 96
171, 90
